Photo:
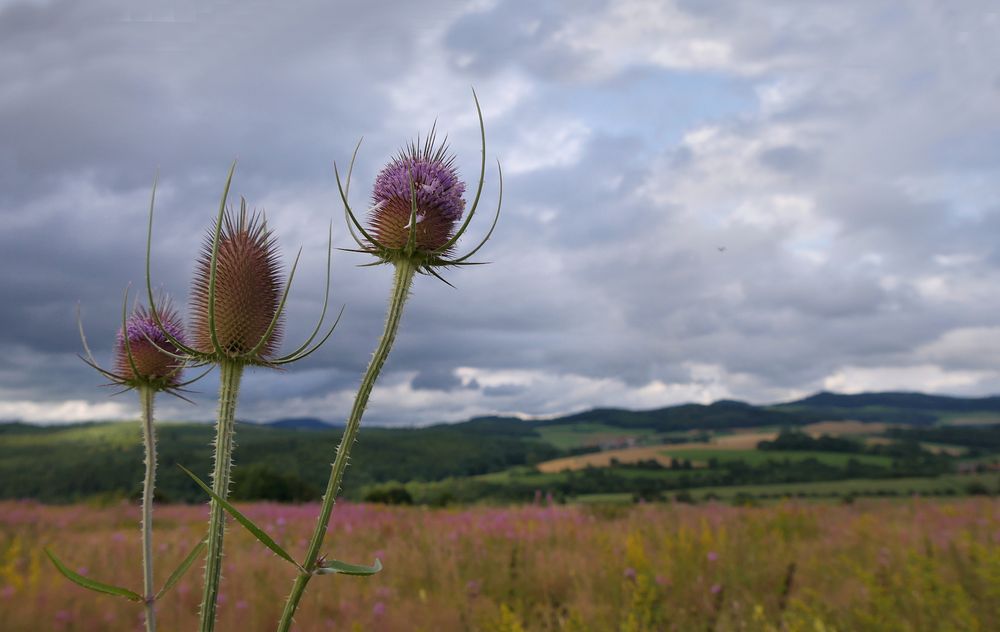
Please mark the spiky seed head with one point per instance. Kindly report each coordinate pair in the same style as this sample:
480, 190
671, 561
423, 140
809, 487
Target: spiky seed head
151, 349
438, 193
248, 289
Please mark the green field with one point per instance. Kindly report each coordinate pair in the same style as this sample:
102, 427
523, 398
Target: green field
957, 484
756, 457
566, 437
969, 419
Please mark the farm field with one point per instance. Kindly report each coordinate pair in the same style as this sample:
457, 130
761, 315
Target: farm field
734, 446
701, 456
745, 441
874, 565
590, 434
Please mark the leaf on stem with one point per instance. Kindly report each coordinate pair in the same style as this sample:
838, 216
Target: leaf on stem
257, 532
184, 566
92, 584
330, 567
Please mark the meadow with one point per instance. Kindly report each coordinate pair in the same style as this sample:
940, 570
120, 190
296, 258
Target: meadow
911, 564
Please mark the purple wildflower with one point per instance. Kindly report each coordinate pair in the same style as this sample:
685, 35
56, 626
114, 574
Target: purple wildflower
712, 556
150, 348
630, 574
473, 588
437, 191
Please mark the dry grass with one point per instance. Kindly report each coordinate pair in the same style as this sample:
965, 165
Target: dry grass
736, 441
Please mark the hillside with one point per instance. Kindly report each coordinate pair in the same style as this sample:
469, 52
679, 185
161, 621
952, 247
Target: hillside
507, 458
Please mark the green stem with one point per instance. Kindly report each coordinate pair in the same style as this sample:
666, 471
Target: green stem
229, 386
146, 396
400, 291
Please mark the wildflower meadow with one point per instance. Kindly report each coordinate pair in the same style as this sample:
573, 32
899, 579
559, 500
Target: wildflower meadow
875, 565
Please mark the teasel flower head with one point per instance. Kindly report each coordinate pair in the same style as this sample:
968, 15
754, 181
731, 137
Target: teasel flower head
143, 354
417, 206
422, 177
247, 290
238, 294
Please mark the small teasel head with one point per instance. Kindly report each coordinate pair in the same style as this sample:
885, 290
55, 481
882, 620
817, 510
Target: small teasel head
146, 352
418, 205
237, 306
143, 354
420, 181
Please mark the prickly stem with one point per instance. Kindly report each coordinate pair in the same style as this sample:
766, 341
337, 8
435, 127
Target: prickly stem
401, 289
146, 396
229, 386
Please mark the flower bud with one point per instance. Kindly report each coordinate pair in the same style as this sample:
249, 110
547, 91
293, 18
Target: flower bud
150, 349
247, 292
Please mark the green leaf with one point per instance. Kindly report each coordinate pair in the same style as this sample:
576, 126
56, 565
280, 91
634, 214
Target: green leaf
180, 570
330, 567
92, 584
257, 532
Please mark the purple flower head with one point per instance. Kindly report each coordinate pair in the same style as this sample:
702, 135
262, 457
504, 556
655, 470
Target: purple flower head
152, 362
418, 210
436, 189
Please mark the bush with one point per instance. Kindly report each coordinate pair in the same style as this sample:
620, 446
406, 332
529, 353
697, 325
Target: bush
389, 495
261, 482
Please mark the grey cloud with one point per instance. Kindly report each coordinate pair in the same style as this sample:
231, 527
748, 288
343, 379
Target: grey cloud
789, 159
605, 266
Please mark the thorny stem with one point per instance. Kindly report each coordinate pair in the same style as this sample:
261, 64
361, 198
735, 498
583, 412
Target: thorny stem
405, 270
146, 396
229, 385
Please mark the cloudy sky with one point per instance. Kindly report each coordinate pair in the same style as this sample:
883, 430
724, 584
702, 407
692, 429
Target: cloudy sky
703, 199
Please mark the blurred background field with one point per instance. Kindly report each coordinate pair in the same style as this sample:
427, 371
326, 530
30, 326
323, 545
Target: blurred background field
908, 564
826, 445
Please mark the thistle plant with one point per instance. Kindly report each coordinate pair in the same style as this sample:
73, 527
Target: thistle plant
144, 360
238, 305
417, 204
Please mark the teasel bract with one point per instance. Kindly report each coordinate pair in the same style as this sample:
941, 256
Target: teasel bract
145, 360
413, 225
238, 300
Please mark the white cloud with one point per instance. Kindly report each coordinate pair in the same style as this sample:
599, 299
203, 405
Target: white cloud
65, 411
546, 144
922, 377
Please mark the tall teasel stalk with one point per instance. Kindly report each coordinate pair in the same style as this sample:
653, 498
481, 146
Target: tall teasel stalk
238, 305
145, 360
417, 203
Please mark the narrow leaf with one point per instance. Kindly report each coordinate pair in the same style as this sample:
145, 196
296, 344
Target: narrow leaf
330, 567
257, 532
180, 570
92, 584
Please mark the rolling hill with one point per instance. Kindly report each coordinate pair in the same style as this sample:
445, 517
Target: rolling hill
501, 457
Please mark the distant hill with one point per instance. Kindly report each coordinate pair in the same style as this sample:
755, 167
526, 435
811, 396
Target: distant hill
62, 463
302, 423
904, 400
